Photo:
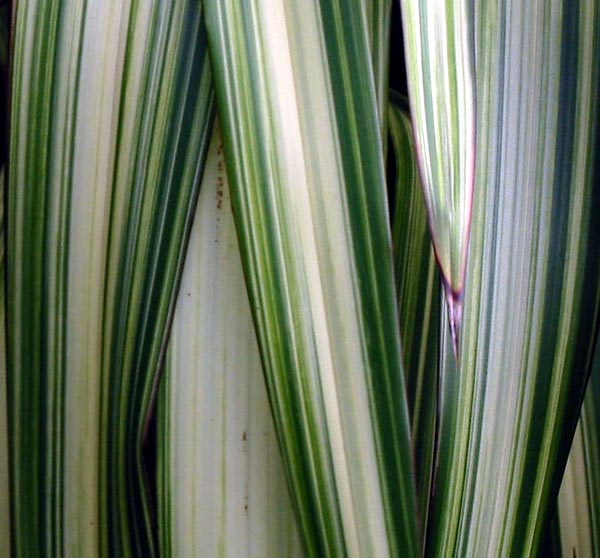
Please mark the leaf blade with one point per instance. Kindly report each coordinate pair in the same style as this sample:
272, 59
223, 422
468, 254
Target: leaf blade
75, 109
223, 491
318, 233
419, 296
441, 80
531, 310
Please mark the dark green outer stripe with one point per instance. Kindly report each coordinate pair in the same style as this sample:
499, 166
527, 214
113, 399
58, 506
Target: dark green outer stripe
24, 479
117, 531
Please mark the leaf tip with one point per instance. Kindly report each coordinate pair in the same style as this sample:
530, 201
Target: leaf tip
454, 300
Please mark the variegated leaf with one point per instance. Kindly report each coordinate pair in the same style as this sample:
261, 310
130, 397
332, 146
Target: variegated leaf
508, 411
111, 107
222, 490
302, 142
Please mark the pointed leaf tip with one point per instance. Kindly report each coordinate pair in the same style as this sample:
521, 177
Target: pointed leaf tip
455, 300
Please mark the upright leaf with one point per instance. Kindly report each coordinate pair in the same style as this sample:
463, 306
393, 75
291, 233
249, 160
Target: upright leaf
111, 107
303, 148
419, 297
221, 483
438, 37
508, 411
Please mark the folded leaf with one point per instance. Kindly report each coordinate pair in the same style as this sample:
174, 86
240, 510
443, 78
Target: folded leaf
111, 107
438, 38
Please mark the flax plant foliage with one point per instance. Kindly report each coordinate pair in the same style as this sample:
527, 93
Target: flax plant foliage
257, 303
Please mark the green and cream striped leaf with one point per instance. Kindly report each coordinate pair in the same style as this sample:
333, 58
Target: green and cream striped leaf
221, 482
419, 297
302, 142
438, 37
579, 495
508, 412
111, 110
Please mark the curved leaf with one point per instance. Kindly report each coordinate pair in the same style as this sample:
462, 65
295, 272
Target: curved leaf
303, 148
111, 107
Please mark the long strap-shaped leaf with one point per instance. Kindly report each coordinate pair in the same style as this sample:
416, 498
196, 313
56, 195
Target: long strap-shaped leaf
438, 36
221, 483
4, 475
578, 510
304, 156
110, 113
419, 297
531, 312
166, 132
